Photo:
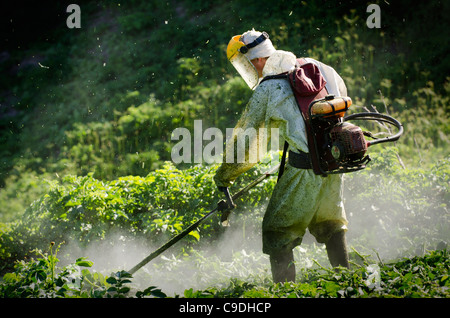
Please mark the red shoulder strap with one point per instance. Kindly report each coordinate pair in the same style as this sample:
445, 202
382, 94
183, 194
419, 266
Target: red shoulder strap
308, 84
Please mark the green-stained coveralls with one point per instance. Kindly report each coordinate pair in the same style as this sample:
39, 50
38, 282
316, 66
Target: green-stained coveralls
301, 199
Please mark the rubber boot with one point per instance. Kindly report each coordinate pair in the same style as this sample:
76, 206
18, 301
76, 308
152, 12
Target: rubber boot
337, 250
283, 267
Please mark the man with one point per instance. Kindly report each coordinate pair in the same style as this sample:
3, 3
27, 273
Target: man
301, 199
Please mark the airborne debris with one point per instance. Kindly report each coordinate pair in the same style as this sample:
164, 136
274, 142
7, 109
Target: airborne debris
43, 66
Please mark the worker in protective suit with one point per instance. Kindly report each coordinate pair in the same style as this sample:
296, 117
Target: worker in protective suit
301, 199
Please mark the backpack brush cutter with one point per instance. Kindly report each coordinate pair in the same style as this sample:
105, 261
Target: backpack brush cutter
337, 146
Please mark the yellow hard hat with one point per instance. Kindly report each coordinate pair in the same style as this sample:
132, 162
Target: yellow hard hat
233, 46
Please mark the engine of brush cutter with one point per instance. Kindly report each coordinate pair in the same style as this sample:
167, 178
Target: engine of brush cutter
347, 144
337, 145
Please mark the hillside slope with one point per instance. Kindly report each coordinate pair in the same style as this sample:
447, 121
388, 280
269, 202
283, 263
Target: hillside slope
105, 98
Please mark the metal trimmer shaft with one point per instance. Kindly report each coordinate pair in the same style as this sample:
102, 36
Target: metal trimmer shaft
192, 227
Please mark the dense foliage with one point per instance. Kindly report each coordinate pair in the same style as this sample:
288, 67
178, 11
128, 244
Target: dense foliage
86, 119
411, 219
424, 276
153, 208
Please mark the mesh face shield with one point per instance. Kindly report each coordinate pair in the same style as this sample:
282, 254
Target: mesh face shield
241, 63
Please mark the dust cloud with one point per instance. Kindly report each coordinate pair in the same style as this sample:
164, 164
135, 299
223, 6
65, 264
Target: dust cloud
381, 228
236, 254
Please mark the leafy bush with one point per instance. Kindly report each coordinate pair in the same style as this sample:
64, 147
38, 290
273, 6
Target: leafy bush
391, 210
424, 276
41, 278
85, 210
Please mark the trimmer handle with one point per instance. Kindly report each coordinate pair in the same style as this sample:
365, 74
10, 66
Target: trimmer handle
229, 199
225, 206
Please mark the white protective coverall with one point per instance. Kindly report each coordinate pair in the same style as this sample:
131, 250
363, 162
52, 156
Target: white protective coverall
301, 199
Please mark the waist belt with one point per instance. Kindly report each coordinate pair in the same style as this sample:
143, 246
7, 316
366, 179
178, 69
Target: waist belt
300, 160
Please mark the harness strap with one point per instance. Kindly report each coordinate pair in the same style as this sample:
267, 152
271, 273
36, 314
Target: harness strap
300, 160
283, 160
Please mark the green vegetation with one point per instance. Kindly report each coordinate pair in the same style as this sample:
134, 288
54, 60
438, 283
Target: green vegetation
411, 219
86, 123
424, 276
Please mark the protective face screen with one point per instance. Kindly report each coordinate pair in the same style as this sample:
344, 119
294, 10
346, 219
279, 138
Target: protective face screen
246, 69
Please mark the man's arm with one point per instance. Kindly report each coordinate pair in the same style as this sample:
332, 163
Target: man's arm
242, 151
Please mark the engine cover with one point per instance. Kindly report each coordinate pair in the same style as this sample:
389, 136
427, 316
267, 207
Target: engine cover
348, 144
